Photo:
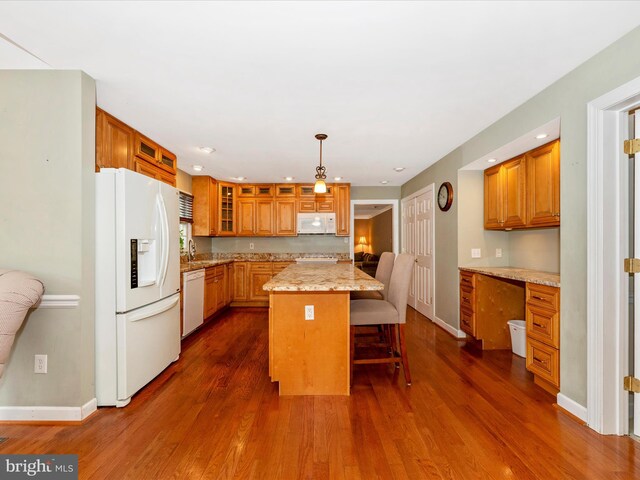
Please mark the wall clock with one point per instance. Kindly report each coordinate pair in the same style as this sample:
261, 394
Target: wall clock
445, 196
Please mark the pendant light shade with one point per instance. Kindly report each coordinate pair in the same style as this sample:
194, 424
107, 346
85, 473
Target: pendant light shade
320, 185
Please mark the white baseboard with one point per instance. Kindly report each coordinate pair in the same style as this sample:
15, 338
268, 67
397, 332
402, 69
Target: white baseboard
48, 414
452, 330
572, 407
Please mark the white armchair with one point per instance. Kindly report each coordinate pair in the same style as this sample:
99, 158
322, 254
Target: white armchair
19, 291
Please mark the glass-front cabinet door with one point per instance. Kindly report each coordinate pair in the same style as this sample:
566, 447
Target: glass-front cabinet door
226, 204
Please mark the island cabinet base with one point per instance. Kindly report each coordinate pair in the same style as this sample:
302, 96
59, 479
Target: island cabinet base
309, 357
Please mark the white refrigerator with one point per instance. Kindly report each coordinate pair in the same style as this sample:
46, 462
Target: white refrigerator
137, 282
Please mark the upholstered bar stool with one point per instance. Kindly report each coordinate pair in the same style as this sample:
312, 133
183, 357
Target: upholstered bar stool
392, 312
383, 275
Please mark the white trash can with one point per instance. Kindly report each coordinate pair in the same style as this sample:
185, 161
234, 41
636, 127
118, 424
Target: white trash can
518, 330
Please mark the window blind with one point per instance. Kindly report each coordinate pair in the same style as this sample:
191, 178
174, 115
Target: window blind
186, 207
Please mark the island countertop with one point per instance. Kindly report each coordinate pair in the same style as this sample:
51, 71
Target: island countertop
521, 274
319, 277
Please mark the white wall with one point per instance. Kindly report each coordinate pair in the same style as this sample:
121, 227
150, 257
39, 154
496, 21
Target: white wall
47, 157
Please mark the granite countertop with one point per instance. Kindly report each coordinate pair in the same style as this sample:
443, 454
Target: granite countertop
521, 274
212, 259
321, 277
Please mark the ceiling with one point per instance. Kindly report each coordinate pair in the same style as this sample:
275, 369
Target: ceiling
393, 84
365, 212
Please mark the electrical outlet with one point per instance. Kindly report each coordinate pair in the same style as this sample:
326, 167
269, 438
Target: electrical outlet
309, 313
251, 246
498, 253
475, 253
40, 364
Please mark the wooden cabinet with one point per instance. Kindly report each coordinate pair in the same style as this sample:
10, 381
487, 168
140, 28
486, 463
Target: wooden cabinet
205, 206
524, 192
255, 217
240, 293
286, 224
505, 195
114, 142
543, 186
226, 209
486, 305
216, 290
259, 274
246, 216
120, 146
285, 190
543, 335
149, 170
229, 283
342, 194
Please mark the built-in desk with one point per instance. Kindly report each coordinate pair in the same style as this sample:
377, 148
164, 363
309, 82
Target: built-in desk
491, 296
311, 356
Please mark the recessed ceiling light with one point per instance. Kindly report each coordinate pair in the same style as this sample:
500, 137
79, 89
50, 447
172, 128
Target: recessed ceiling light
288, 179
241, 178
541, 136
399, 169
492, 160
384, 182
197, 168
337, 179
207, 149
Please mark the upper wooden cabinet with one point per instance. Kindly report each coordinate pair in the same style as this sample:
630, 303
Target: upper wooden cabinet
255, 217
246, 217
120, 146
205, 206
543, 185
342, 199
524, 192
226, 209
285, 190
286, 224
114, 142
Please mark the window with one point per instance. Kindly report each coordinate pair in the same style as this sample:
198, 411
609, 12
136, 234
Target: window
186, 219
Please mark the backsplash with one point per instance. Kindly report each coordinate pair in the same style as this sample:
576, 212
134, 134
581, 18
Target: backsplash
300, 244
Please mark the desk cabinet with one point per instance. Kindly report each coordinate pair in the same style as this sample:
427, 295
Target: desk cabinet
543, 335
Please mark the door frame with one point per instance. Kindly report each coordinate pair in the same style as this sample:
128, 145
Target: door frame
394, 221
432, 187
607, 409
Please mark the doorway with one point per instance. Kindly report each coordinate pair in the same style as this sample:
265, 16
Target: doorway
609, 232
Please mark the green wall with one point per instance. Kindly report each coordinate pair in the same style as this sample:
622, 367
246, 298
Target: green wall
47, 149
567, 98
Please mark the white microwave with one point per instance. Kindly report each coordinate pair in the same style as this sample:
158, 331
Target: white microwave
316, 223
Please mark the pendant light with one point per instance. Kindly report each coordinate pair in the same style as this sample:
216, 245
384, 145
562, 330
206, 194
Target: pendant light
320, 186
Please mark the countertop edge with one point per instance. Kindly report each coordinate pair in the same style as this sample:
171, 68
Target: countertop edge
525, 275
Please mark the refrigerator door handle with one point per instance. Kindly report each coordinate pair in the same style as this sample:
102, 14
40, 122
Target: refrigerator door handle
164, 248
162, 306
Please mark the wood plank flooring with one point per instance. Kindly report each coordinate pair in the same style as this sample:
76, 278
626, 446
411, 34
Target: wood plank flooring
214, 414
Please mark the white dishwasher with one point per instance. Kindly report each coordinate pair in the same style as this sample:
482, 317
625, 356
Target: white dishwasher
193, 314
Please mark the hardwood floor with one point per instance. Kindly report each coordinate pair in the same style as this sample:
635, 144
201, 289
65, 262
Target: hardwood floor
468, 415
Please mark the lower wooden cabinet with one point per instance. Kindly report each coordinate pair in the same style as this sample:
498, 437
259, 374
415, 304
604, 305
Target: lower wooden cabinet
239, 281
249, 280
259, 274
543, 335
216, 287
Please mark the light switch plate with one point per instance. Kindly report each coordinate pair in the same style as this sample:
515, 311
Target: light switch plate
498, 253
475, 253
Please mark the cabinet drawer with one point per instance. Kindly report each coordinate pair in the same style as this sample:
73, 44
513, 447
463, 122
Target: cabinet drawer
468, 321
325, 206
467, 297
543, 325
260, 266
543, 296
209, 272
468, 279
219, 270
543, 360
306, 206
280, 266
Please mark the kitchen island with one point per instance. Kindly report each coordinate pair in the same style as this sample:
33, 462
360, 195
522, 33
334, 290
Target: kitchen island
309, 327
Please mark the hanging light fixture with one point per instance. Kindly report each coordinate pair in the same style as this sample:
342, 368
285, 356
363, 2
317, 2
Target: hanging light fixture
320, 186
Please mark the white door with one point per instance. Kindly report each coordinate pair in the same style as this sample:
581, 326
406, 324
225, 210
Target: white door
423, 272
409, 240
170, 282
